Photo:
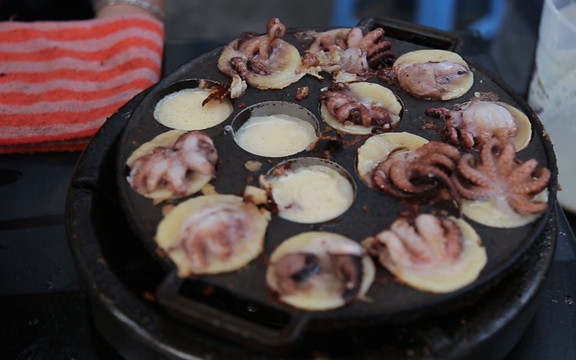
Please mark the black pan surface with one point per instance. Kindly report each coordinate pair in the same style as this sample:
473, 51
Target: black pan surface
392, 302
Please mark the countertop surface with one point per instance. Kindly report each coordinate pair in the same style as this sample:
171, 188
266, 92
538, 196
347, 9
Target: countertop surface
44, 308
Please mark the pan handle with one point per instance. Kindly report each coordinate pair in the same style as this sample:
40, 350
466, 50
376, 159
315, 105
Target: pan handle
225, 324
414, 33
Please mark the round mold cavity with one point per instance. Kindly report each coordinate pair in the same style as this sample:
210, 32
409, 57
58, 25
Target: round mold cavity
309, 190
275, 129
180, 106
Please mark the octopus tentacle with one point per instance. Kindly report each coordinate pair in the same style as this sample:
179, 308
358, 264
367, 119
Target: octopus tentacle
275, 30
440, 160
149, 170
523, 171
404, 179
507, 156
467, 167
382, 181
489, 159
526, 206
176, 177
257, 67
434, 172
444, 148
354, 39
388, 247
348, 268
413, 243
250, 47
452, 235
534, 182
373, 38
467, 138
239, 66
442, 236
472, 192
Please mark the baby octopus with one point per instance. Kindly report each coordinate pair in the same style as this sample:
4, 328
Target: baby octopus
257, 49
263, 61
433, 74
498, 174
473, 123
429, 241
348, 108
212, 232
408, 173
349, 54
175, 167
430, 253
319, 270
293, 269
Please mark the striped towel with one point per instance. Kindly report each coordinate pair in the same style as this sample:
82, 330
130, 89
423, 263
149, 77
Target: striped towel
60, 81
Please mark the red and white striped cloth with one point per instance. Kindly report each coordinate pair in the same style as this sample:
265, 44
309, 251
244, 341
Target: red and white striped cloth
60, 81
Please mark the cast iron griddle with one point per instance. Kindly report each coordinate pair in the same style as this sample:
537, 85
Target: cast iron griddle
392, 302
